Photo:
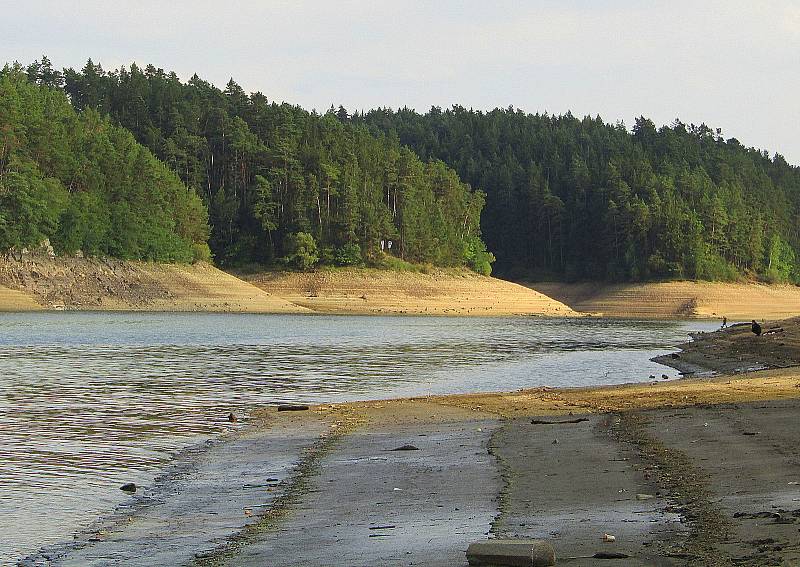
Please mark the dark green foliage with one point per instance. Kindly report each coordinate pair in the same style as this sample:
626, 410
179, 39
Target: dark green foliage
84, 183
269, 172
581, 199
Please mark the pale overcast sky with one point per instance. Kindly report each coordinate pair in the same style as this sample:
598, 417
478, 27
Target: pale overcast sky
731, 64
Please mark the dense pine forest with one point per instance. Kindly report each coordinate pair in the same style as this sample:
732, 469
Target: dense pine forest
86, 184
564, 197
283, 185
581, 199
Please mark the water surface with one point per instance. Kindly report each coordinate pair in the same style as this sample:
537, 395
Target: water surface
89, 401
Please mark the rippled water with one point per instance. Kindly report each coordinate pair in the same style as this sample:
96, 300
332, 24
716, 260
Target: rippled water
91, 400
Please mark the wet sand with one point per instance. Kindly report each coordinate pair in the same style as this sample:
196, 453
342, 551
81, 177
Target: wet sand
681, 473
676, 476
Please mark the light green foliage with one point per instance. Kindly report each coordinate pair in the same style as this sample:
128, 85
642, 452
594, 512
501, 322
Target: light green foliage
84, 183
781, 263
301, 251
477, 258
201, 253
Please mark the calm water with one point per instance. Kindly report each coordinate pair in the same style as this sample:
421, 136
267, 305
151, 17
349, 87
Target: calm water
89, 401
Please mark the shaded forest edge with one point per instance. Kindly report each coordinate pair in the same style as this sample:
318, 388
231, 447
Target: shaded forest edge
579, 199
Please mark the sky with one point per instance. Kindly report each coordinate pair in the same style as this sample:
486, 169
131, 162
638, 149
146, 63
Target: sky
731, 64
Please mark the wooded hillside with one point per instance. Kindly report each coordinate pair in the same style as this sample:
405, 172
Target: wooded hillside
86, 184
282, 184
582, 199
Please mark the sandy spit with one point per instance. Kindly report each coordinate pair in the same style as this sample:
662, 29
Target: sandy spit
381, 292
682, 299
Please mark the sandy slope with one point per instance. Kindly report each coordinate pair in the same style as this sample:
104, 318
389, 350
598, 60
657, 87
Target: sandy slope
678, 299
93, 284
441, 292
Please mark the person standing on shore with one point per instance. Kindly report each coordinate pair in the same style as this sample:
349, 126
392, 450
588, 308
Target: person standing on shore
724, 322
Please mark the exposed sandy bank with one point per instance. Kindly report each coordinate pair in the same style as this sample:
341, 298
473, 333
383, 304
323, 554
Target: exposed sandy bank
678, 299
736, 349
659, 466
40, 282
441, 292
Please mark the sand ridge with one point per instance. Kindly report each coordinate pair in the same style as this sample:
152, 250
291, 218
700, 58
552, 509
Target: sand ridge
679, 299
439, 292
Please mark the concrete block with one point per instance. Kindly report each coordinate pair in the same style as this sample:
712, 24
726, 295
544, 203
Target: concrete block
512, 553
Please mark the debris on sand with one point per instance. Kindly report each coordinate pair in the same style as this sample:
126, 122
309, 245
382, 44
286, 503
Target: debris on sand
406, 448
292, 407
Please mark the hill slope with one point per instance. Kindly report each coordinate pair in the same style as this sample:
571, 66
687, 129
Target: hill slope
711, 300
441, 292
38, 282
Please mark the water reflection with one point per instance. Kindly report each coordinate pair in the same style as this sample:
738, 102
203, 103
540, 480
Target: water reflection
91, 400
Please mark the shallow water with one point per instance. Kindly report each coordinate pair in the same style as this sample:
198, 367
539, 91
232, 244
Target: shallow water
89, 401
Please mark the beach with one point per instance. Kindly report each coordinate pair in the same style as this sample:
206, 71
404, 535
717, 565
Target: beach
697, 471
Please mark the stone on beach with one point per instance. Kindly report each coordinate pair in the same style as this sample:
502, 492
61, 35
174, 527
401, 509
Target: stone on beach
128, 487
511, 552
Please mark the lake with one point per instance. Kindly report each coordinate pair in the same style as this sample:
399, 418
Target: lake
89, 401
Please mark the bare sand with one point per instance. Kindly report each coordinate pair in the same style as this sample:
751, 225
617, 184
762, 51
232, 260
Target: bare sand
380, 292
682, 299
40, 282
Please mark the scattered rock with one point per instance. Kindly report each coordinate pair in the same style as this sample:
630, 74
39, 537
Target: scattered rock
546, 422
406, 448
128, 487
292, 407
610, 555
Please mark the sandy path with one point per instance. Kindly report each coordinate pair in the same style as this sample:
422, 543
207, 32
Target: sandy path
678, 299
369, 505
748, 453
571, 483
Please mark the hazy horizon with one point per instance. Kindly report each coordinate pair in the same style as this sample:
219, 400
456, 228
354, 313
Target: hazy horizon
729, 65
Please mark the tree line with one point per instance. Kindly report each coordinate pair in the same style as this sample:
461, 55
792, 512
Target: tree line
86, 184
281, 184
578, 198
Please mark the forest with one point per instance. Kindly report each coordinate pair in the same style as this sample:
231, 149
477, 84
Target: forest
549, 196
86, 184
580, 199
284, 186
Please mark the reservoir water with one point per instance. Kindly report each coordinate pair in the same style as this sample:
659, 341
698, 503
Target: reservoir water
89, 401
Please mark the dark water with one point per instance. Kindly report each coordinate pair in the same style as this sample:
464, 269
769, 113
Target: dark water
89, 401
